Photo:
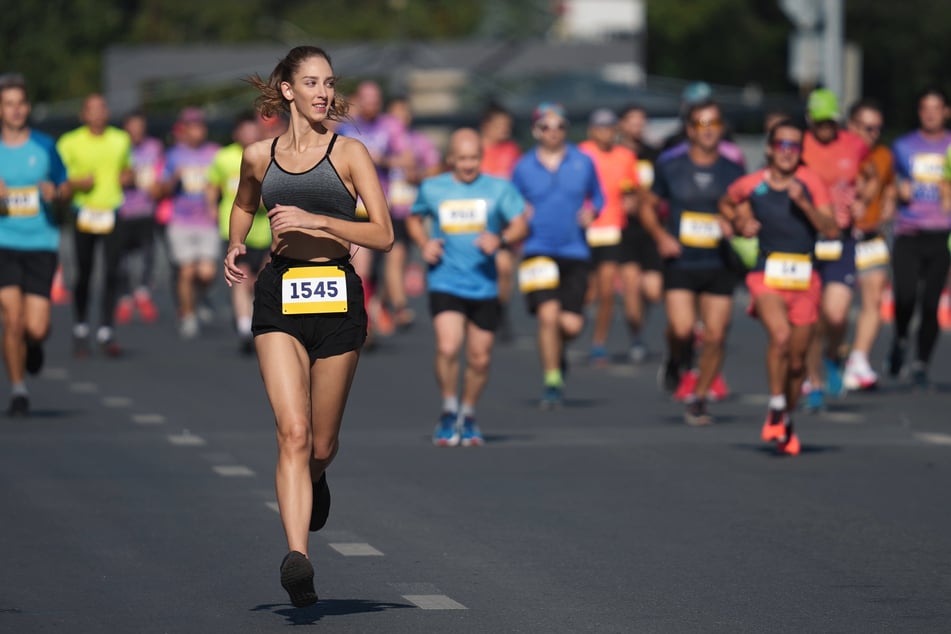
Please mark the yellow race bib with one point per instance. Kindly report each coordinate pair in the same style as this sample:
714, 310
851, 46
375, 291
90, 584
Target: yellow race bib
463, 216
603, 236
539, 273
309, 290
871, 253
699, 230
96, 221
788, 271
23, 201
828, 250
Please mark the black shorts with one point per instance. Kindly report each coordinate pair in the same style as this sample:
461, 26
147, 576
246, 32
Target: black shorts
715, 281
638, 247
32, 271
400, 234
613, 253
572, 287
486, 314
322, 335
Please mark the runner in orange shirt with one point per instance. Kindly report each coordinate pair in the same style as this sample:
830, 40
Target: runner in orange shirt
617, 170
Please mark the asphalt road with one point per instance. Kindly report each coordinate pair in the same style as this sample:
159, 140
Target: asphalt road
139, 498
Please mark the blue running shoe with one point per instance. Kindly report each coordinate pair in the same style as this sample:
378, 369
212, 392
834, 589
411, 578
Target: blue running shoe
599, 356
551, 397
815, 400
471, 436
447, 431
833, 376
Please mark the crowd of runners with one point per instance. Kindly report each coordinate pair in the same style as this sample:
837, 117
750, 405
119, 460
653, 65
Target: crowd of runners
833, 225
319, 204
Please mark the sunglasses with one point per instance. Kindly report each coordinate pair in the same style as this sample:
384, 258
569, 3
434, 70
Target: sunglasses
699, 124
544, 127
870, 129
787, 146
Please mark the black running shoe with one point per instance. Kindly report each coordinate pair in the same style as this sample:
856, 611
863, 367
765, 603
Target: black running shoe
297, 577
697, 415
668, 378
19, 406
320, 510
34, 356
896, 358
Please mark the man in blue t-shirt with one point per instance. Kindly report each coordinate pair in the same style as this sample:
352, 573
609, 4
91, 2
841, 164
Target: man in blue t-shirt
561, 186
472, 215
32, 177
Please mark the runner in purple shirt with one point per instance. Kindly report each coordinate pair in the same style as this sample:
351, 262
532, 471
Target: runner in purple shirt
920, 255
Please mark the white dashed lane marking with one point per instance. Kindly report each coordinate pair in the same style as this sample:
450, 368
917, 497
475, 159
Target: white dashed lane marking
274, 506
148, 419
356, 549
934, 439
83, 388
117, 401
55, 374
433, 602
186, 440
233, 471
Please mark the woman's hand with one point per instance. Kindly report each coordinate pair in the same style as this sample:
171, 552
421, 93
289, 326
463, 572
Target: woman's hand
234, 275
290, 217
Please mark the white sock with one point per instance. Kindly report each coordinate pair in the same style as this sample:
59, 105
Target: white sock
244, 325
104, 334
468, 411
858, 357
450, 404
81, 330
19, 389
777, 401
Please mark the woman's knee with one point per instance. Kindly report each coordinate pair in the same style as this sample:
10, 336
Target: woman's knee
324, 449
294, 436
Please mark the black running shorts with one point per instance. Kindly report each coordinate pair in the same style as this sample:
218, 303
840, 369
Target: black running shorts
486, 314
32, 271
322, 335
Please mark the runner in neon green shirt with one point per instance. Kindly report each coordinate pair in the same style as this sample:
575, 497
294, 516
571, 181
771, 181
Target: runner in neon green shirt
223, 177
98, 160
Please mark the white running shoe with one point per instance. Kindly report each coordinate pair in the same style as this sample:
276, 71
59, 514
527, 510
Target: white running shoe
858, 376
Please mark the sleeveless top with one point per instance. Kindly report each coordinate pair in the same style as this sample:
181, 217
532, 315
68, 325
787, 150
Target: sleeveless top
319, 190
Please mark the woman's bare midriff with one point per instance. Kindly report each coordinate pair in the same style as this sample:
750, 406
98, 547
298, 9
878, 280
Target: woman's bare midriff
311, 246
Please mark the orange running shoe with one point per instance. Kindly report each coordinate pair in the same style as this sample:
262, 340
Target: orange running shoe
775, 426
789, 446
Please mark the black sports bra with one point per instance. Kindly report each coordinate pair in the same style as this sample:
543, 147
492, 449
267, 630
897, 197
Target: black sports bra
319, 190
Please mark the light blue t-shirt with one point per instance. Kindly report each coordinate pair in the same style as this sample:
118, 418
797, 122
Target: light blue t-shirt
27, 223
460, 212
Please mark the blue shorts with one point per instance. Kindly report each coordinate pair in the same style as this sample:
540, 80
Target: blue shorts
841, 271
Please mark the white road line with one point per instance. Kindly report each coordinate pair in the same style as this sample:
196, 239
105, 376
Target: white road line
356, 549
434, 602
117, 401
83, 388
934, 438
186, 440
754, 399
233, 471
55, 374
850, 418
274, 506
148, 419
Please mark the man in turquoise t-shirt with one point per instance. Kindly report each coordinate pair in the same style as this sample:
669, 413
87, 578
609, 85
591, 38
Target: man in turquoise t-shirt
223, 176
31, 178
472, 216
98, 159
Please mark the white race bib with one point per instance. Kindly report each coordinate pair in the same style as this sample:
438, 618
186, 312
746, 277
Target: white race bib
927, 168
463, 216
402, 193
194, 179
699, 230
308, 290
95, 221
871, 253
538, 274
828, 250
603, 236
788, 271
23, 201
144, 177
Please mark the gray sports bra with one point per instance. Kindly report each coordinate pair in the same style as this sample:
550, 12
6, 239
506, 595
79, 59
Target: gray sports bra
319, 190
